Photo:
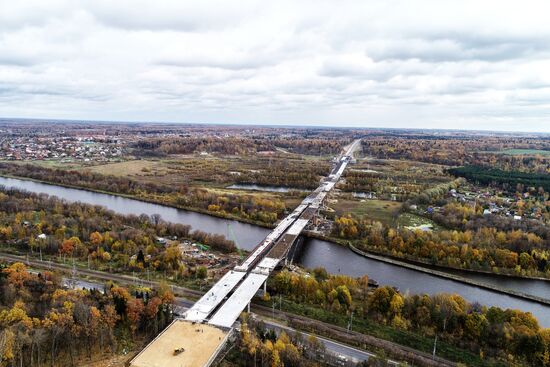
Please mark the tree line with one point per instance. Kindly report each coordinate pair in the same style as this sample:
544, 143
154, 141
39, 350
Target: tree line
38, 223
237, 145
248, 207
510, 336
43, 323
485, 248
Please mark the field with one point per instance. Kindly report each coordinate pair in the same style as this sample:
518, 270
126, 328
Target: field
128, 168
392, 179
413, 220
381, 210
525, 152
289, 170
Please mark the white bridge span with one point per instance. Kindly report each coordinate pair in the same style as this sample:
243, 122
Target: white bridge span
223, 303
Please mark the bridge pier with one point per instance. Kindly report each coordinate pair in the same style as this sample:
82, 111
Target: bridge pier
265, 287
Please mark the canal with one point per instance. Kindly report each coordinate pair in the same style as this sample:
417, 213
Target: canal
336, 259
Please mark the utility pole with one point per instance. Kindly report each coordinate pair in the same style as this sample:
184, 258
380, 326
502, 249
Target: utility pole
350, 325
435, 346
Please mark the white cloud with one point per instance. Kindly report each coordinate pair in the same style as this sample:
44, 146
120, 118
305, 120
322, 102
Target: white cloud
450, 64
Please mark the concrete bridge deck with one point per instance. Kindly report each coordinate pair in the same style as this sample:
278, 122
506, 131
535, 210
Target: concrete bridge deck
221, 306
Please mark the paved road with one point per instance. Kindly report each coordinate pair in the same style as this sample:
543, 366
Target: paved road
337, 349
101, 275
182, 304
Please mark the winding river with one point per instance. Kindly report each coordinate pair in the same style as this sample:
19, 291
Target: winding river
335, 258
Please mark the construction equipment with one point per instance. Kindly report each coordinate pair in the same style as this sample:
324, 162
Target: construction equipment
178, 351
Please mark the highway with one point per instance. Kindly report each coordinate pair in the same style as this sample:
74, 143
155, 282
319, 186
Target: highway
223, 303
183, 304
84, 278
242, 282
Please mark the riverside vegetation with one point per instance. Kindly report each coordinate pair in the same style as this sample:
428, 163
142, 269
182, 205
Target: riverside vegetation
468, 333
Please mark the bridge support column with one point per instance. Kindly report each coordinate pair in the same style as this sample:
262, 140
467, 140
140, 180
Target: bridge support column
265, 287
248, 309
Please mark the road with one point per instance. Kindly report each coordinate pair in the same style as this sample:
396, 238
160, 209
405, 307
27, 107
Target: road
224, 302
336, 349
182, 304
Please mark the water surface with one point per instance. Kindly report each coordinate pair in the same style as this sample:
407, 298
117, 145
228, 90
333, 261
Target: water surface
335, 258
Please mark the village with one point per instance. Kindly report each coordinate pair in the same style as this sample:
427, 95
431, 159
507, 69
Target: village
489, 201
65, 148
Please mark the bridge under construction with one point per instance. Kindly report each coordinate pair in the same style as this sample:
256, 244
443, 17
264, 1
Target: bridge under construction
220, 307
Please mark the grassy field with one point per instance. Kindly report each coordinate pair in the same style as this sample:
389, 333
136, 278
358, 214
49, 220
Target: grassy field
127, 168
524, 152
380, 210
413, 220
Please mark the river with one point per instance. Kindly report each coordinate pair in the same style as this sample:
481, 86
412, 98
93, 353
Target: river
336, 259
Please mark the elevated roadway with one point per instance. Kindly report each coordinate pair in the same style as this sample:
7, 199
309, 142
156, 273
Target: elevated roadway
221, 306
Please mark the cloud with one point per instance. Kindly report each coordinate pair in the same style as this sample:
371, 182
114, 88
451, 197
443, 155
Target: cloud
456, 64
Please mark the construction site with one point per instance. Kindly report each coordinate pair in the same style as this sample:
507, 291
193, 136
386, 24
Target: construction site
198, 340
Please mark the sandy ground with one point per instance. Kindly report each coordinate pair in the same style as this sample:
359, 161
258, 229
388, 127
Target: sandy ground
113, 361
198, 345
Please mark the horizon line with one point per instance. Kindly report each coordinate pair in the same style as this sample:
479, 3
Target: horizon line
267, 125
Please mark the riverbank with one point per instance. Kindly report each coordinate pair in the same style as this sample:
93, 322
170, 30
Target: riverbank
336, 258
147, 200
421, 263
375, 255
191, 295
454, 277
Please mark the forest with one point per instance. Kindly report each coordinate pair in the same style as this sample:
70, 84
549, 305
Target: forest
44, 324
485, 248
509, 180
509, 336
189, 145
231, 145
485, 151
248, 207
40, 224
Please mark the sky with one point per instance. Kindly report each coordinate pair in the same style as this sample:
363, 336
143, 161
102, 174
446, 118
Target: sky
399, 64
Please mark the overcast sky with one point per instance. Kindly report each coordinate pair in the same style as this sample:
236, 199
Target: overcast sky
432, 64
